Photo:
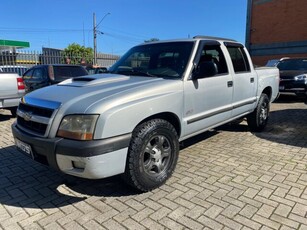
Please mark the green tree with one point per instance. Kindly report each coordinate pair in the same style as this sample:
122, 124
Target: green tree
77, 54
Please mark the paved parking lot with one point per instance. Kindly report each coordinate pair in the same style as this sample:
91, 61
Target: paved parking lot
227, 178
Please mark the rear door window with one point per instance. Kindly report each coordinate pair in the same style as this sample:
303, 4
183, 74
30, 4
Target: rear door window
239, 59
214, 54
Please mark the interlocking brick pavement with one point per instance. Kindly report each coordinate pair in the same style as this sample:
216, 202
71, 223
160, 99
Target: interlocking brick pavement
227, 178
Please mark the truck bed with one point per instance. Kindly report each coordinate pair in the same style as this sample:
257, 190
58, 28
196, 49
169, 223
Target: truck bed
270, 74
9, 92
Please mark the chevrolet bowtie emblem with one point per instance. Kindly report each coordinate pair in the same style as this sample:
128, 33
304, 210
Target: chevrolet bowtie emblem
27, 116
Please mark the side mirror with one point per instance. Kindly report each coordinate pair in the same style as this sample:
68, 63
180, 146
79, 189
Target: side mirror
205, 69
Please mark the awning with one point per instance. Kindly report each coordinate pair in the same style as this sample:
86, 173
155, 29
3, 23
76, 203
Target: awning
9, 44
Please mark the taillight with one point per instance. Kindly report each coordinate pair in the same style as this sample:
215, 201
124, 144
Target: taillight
20, 84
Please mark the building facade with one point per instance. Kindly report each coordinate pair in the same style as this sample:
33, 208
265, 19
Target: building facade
276, 29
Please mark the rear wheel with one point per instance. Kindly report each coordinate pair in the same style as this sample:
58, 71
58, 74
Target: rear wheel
152, 155
258, 119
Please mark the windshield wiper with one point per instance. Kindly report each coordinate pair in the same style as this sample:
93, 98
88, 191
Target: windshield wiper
143, 73
132, 72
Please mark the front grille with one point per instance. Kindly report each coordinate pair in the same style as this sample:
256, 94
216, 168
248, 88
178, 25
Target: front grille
39, 111
32, 125
33, 118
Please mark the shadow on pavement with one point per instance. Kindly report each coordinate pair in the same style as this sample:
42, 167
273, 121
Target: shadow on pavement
289, 98
25, 183
5, 117
287, 127
198, 138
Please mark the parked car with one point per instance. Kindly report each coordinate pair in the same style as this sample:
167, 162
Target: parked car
293, 75
12, 88
20, 70
44, 75
131, 120
274, 62
96, 69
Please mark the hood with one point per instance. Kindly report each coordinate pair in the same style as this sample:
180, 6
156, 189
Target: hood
97, 93
290, 74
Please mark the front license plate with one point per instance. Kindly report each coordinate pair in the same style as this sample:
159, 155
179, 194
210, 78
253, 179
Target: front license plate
281, 87
25, 148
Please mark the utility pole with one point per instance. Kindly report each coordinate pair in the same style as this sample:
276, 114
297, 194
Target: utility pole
95, 35
95, 42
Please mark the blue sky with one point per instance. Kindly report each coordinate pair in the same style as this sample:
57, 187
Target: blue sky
58, 23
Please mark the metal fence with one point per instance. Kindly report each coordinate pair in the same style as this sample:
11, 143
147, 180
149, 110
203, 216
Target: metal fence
31, 58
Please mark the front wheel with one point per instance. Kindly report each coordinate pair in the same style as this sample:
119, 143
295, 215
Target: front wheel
152, 155
258, 119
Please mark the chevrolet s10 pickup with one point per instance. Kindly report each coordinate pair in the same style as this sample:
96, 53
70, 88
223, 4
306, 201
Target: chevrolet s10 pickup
130, 120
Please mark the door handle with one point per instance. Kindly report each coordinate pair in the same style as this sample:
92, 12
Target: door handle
252, 80
229, 83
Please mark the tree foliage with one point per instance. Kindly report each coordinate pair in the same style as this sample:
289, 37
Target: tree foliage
77, 54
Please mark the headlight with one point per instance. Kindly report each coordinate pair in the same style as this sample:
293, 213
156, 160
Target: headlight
300, 77
78, 127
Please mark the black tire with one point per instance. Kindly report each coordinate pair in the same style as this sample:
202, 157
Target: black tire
152, 155
13, 111
258, 119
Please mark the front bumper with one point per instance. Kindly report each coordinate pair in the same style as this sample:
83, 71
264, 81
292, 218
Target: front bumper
299, 86
88, 159
8, 103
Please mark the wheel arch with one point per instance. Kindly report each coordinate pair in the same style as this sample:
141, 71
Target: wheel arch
168, 116
268, 91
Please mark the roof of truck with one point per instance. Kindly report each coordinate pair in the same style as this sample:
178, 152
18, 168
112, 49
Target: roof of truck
198, 37
213, 38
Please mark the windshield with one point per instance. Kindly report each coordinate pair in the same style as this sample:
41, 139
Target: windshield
155, 60
293, 64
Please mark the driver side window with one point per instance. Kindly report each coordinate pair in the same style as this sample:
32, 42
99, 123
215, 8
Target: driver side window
38, 74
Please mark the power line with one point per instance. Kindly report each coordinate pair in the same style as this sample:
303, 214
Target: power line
123, 37
39, 30
128, 35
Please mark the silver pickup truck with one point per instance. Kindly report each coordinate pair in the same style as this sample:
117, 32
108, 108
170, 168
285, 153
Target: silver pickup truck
130, 121
12, 88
